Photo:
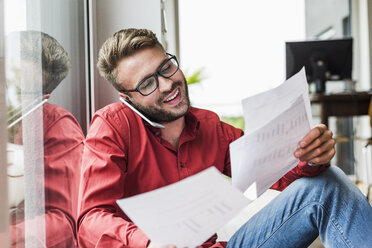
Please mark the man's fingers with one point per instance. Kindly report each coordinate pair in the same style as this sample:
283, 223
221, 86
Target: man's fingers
317, 143
324, 158
312, 135
319, 150
319, 153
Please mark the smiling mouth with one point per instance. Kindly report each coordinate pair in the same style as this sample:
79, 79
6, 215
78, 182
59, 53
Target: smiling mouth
173, 96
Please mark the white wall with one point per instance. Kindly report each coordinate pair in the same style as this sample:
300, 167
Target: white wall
324, 14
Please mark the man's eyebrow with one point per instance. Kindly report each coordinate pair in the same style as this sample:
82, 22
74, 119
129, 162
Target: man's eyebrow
150, 74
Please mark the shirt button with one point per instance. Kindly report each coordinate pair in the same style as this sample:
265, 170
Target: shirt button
157, 133
181, 164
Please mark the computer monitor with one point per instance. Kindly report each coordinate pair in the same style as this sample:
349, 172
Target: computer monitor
324, 60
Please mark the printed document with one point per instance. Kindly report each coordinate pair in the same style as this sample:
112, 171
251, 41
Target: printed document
186, 213
275, 120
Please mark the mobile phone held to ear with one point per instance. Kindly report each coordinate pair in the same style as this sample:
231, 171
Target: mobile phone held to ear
152, 123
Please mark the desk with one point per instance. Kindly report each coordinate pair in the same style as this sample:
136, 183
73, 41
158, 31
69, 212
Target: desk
341, 104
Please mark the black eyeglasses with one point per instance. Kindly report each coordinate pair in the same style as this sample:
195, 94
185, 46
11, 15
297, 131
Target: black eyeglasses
149, 84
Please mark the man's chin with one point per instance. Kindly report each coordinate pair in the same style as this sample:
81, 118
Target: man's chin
169, 117
164, 115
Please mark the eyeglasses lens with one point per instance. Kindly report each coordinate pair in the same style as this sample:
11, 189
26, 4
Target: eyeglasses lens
167, 70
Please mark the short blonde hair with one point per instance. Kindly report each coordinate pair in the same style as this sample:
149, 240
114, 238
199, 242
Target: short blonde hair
120, 45
42, 49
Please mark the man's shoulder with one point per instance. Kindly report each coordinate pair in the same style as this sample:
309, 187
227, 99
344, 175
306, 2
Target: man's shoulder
111, 110
54, 110
204, 114
115, 110
53, 113
209, 119
57, 120
117, 114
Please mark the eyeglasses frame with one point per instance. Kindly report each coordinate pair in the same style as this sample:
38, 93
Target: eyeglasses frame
156, 75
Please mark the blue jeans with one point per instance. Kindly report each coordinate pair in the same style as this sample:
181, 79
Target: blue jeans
328, 205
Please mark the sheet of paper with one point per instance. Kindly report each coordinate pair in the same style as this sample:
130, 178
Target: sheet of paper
263, 107
279, 119
186, 213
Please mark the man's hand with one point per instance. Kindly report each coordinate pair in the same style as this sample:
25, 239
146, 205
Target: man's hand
317, 147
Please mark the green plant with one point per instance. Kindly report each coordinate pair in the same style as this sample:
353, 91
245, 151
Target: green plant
195, 77
237, 122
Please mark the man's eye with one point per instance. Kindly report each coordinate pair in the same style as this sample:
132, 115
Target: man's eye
165, 69
147, 84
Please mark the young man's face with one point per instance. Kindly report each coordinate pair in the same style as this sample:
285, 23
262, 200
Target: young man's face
169, 101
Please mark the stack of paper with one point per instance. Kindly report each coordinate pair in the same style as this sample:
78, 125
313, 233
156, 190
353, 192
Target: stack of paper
275, 120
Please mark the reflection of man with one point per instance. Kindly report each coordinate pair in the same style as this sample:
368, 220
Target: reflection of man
43, 60
126, 156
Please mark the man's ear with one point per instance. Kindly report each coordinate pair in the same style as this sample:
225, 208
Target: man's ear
46, 96
124, 96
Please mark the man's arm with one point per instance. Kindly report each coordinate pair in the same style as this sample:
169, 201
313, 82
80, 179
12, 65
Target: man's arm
60, 231
101, 223
63, 150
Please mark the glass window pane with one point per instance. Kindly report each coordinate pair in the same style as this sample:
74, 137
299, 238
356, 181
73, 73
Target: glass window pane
46, 108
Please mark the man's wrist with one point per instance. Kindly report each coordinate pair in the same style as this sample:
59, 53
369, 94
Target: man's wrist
311, 164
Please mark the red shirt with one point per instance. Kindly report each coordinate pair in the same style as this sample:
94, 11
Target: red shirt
63, 148
124, 156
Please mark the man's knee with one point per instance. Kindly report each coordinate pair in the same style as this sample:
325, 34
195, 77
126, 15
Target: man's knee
329, 183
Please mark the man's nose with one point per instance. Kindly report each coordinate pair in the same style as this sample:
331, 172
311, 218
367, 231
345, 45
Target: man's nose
165, 84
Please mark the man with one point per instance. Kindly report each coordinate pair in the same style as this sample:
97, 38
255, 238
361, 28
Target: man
43, 65
125, 156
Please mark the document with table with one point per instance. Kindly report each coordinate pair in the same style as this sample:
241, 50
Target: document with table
275, 121
189, 212
186, 213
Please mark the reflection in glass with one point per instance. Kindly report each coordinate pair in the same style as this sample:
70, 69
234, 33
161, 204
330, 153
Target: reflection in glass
45, 144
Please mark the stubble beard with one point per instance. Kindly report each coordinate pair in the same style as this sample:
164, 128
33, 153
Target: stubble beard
160, 115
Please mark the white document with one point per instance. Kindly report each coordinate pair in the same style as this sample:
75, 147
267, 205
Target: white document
264, 107
276, 121
187, 213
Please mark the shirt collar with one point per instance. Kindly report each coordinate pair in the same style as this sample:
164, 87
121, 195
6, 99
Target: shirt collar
192, 122
191, 125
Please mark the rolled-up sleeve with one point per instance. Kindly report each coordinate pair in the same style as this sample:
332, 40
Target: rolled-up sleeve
301, 170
